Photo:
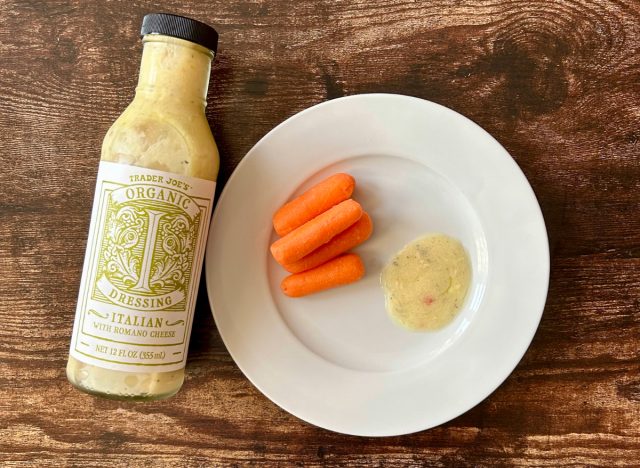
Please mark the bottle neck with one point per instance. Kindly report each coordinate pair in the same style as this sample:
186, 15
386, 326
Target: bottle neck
174, 70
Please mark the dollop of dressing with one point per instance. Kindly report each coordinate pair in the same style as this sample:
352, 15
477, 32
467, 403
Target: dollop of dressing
426, 282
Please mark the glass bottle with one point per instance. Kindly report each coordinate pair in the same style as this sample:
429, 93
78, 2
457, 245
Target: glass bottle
150, 218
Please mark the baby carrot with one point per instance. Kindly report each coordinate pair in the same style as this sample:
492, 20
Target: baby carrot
313, 202
348, 239
317, 232
342, 270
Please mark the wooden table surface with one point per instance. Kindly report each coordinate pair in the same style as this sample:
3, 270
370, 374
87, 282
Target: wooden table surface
556, 82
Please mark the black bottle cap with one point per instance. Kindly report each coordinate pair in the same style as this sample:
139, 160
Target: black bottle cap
180, 27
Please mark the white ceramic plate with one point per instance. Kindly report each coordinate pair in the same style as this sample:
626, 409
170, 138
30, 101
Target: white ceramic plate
335, 359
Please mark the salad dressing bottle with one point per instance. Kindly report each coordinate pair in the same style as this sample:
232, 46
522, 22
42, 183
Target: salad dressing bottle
150, 218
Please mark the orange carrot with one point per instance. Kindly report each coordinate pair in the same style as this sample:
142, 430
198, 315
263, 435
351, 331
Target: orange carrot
342, 270
317, 232
348, 239
313, 202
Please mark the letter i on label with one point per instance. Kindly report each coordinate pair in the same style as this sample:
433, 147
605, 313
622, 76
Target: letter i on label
142, 268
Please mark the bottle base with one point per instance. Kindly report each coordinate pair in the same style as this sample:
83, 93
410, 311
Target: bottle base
121, 397
123, 386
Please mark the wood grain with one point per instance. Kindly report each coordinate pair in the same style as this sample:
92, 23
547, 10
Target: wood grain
557, 82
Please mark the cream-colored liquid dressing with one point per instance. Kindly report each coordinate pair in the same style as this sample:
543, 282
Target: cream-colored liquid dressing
426, 282
164, 128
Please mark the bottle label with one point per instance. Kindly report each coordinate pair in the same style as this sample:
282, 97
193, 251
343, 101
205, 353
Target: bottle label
142, 269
